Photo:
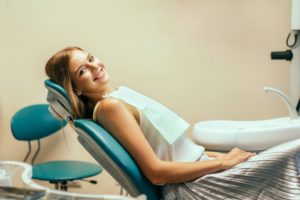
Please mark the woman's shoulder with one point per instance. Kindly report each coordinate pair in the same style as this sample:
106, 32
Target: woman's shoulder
107, 106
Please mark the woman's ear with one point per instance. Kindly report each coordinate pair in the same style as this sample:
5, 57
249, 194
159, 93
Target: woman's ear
78, 92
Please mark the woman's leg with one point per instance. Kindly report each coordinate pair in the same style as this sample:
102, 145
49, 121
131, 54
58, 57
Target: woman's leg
272, 174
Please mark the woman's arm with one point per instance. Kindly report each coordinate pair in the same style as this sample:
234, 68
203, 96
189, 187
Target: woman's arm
215, 154
115, 118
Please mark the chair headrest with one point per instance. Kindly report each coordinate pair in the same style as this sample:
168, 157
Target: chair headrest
58, 99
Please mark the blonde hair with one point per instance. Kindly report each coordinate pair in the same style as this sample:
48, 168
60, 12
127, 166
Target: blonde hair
57, 69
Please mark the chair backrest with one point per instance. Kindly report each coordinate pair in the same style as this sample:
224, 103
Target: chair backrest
110, 154
34, 122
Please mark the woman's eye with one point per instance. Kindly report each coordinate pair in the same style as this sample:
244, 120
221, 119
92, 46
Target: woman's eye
81, 72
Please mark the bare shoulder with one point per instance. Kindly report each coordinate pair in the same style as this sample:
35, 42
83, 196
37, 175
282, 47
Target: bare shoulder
111, 106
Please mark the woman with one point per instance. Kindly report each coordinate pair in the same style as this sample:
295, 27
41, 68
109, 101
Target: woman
212, 175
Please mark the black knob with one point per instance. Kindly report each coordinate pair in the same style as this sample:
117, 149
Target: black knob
282, 55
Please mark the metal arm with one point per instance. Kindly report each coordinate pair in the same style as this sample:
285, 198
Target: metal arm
286, 99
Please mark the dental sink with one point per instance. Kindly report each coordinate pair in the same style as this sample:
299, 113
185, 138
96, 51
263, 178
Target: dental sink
223, 135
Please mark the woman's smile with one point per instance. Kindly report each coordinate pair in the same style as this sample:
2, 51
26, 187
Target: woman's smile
100, 74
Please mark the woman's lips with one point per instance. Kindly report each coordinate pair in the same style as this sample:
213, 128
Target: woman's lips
100, 75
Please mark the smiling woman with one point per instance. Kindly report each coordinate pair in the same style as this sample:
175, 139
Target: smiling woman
183, 167
82, 75
89, 76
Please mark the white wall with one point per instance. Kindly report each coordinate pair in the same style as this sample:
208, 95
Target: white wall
206, 59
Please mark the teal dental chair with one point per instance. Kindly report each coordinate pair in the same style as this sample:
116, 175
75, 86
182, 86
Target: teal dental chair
109, 153
36, 122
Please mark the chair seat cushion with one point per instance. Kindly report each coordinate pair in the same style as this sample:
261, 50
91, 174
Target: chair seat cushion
64, 170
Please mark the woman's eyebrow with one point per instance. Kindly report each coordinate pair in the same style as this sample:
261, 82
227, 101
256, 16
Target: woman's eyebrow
88, 56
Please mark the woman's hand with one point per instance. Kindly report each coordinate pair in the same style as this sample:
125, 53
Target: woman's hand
234, 157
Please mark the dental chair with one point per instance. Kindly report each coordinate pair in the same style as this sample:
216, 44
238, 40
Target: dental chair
105, 149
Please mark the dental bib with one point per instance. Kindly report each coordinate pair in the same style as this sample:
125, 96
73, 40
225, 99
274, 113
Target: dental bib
168, 123
164, 130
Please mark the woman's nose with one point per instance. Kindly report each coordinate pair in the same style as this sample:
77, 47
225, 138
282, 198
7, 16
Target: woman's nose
94, 69
93, 66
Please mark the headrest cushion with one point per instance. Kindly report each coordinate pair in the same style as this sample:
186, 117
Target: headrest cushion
58, 99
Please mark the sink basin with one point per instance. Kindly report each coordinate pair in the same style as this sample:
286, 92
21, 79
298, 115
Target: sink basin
222, 135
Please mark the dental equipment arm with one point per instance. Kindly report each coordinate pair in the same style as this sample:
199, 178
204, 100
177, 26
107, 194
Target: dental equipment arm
292, 109
293, 53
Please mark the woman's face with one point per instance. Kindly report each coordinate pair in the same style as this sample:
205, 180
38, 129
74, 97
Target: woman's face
88, 73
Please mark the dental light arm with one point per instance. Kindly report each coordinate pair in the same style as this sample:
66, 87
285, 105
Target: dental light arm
292, 109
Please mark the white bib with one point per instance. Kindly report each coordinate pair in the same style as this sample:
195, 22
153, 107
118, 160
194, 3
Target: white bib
169, 124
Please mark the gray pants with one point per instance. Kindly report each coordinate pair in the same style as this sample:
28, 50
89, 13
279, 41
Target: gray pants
272, 174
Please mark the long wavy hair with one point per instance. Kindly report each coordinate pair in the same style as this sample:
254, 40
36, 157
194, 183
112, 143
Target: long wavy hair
57, 69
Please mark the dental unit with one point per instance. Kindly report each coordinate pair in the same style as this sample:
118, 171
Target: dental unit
223, 135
